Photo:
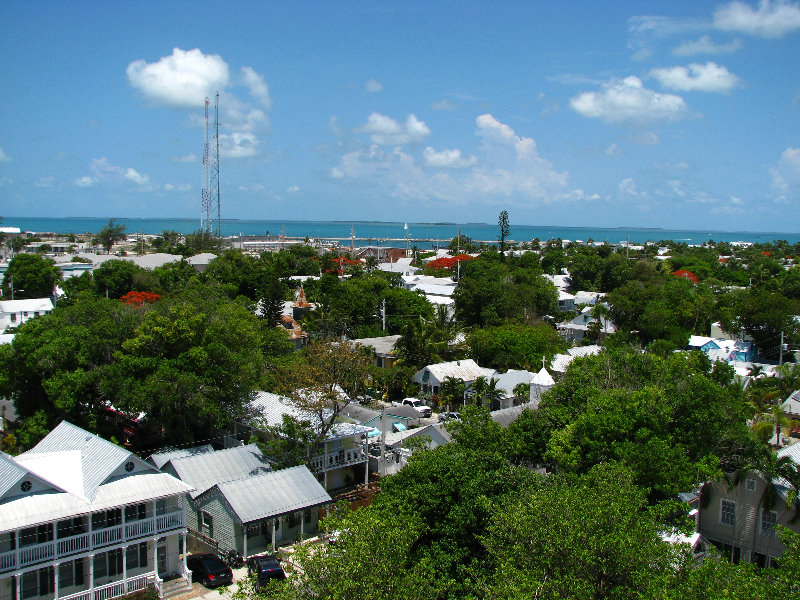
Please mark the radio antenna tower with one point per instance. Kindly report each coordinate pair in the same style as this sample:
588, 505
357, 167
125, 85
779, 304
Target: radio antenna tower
210, 206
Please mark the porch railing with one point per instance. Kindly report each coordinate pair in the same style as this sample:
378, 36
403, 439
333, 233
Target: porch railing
85, 542
335, 460
115, 589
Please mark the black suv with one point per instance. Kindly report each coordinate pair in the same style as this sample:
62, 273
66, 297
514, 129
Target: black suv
210, 570
264, 567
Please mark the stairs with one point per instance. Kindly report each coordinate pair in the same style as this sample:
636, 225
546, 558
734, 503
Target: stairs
175, 587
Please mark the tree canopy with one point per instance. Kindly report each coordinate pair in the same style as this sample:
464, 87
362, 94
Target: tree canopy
32, 275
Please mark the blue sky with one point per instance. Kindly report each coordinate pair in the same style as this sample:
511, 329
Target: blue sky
646, 114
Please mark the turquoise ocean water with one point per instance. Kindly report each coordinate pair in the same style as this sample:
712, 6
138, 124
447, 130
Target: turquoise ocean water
381, 233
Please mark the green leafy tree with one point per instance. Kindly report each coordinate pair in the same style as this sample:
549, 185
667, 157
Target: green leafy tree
190, 366
324, 383
110, 235
514, 346
608, 540
58, 367
115, 278
32, 275
503, 225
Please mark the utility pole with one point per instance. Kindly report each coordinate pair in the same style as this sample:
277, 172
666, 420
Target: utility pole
780, 361
383, 314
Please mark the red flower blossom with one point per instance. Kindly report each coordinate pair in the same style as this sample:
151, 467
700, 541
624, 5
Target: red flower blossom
448, 262
686, 275
139, 298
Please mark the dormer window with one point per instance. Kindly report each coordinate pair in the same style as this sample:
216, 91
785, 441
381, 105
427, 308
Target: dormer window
750, 484
26, 486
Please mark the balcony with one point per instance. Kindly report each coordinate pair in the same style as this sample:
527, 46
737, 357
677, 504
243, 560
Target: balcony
336, 460
87, 542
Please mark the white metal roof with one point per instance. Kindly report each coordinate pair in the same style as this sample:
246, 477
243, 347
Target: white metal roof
268, 409
76, 472
28, 510
159, 459
27, 305
203, 471
511, 379
75, 460
275, 493
543, 379
465, 370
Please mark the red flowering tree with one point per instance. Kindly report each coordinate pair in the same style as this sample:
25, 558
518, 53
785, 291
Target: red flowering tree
686, 275
448, 262
139, 298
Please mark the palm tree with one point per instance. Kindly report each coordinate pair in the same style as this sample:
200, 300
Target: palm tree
522, 391
452, 391
600, 311
479, 387
493, 394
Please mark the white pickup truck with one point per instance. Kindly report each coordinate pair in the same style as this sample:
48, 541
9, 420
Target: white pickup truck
416, 404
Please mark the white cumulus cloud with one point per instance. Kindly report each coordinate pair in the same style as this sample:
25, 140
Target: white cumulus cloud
509, 171
188, 158
102, 170
447, 159
705, 45
3, 156
445, 104
385, 131
183, 187
293, 189
786, 174
258, 87
373, 86
628, 102
769, 20
708, 77
85, 181
184, 79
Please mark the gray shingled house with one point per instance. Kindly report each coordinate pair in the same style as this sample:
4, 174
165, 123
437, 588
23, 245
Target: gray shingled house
240, 503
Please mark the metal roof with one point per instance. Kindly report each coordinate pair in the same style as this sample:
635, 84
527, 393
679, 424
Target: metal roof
29, 305
381, 345
43, 507
466, 370
10, 473
203, 471
267, 409
159, 459
511, 379
275, 493
75, 460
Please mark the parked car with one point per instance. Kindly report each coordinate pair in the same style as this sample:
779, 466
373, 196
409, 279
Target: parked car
449, 416
209, 570
264, 568
416, 404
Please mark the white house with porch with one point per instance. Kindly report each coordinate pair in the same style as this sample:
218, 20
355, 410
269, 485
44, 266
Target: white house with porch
344, 459
239, 503
84, 519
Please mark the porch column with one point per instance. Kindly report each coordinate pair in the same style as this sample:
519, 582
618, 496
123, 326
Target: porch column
91, 576
274, 527
185, 552
124, 529
17, 542
366, 455
155, 556
18, 581
325, 485
125, 568
244, 547
302, 524
55, 580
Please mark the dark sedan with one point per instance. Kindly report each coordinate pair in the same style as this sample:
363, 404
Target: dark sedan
264, 568
209, 570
